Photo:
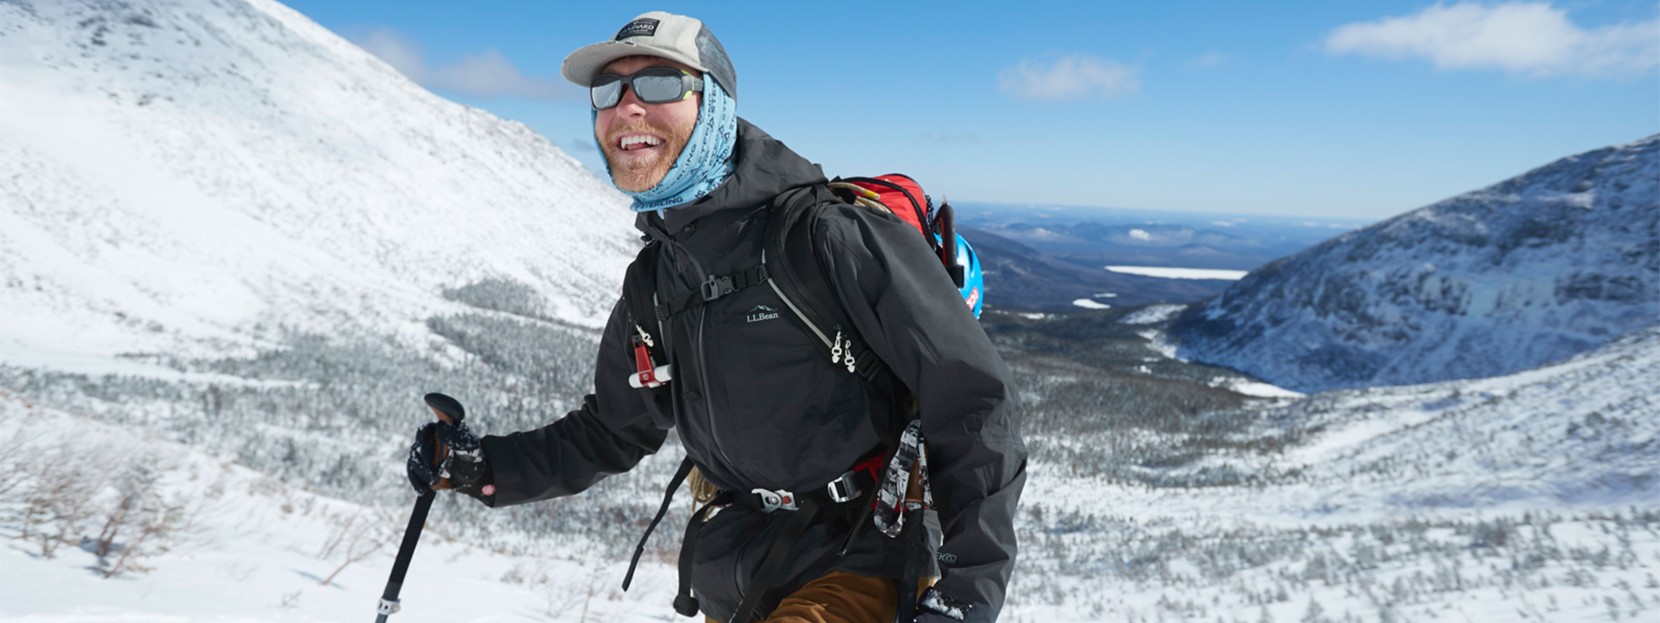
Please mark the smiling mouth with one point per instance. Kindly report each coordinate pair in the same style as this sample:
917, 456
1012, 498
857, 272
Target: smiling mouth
634, 142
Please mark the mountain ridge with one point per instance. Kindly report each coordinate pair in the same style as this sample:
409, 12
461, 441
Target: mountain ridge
1530, 270
209, 176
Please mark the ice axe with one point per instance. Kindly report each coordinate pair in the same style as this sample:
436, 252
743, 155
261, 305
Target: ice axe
449, 410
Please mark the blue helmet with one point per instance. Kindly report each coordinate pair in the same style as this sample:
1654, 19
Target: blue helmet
974, 285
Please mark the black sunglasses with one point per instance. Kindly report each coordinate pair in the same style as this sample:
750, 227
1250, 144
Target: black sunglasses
653, 85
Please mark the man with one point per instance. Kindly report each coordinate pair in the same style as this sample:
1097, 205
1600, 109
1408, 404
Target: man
764, 415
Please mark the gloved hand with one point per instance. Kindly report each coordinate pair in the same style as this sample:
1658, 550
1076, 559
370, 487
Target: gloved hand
934, 607
448, 456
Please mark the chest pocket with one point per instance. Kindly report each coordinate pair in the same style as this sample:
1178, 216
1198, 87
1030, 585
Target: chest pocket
768, 360
773, 397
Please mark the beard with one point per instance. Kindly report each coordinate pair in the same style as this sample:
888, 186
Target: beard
641, 170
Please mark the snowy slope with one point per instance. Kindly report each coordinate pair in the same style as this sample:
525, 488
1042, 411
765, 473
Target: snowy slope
250, 548
1528, 271
197, 177
1579, 434
1529, 497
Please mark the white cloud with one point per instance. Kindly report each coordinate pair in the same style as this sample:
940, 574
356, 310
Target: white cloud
1524, 38
486, 75
1075, 77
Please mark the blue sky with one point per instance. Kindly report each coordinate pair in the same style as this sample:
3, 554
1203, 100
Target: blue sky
1342, 109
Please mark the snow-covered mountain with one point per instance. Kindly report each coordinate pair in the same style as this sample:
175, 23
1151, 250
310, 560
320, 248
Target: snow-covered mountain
199, 177
226, 181
1528, 271
1527, 497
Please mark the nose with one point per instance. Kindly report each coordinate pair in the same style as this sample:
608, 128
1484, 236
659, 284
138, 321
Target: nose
629, 105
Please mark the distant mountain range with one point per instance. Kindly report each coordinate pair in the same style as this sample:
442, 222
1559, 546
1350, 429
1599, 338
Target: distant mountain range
1023, 278
1137, 237
1045, 258
1529, 271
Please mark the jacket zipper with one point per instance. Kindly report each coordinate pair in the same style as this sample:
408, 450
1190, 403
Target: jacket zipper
702, 361
708, 398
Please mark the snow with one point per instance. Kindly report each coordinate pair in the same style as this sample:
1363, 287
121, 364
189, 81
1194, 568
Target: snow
250, 174
1180, 273
1258, 389
170, 188
253, 552
1140, 234
1153, 314
254, 548
1090, 304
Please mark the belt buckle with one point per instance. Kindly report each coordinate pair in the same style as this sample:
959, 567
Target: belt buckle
775, 500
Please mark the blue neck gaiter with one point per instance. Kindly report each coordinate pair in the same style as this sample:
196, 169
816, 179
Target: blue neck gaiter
706, 160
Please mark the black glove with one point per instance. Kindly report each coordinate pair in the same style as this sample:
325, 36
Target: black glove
934, 607
459, 465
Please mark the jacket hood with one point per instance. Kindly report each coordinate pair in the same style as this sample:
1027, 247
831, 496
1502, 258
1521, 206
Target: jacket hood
765, 168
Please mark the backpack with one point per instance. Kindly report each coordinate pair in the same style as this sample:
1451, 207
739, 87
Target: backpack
901, 195
797, 274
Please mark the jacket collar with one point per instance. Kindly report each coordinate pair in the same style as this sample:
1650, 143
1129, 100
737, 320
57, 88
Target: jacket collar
765, 169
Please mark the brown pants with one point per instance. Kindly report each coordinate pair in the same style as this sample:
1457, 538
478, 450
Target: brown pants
839, 597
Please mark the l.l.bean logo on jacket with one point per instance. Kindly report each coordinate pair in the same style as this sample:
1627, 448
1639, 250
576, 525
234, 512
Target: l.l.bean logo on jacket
761, 313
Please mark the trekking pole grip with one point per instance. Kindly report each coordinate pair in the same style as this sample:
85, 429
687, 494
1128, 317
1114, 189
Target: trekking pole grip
446, 408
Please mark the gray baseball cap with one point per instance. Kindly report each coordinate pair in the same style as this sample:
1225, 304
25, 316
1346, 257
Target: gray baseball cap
665, 35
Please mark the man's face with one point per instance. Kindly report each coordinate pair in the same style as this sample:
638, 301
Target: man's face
638, 165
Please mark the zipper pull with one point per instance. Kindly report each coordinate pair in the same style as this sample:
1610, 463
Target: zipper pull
844, 348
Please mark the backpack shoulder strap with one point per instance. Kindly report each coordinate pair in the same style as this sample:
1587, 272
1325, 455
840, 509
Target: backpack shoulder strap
798, 274
640, 297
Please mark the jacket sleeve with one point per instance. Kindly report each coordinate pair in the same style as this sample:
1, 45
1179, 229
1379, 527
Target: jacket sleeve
906, 309
609, 434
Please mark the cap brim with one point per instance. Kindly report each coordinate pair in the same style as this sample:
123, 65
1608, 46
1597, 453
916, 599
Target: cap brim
582, 65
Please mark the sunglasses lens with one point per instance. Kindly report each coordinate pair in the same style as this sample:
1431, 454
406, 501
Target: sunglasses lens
606, 91
654, 85
657, 89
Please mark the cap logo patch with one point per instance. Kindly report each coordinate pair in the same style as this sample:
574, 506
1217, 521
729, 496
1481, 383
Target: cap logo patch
644, 27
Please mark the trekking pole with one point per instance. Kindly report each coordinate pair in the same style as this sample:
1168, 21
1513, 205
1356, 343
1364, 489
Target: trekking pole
449, 410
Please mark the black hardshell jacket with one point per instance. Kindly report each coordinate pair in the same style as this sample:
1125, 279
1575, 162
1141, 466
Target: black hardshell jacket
760, 405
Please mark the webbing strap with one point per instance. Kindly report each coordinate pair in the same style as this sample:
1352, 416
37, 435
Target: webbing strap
893, 496
718, 286
684, 603
668, 496
917, 554
794, 527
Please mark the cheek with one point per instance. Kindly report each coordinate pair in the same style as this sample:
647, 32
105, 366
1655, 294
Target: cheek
686, 117
603, 119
